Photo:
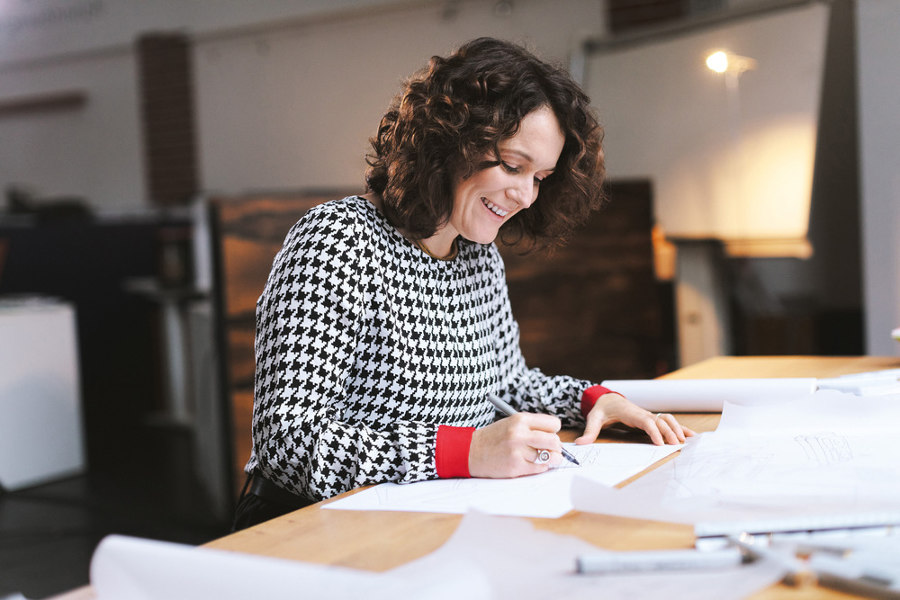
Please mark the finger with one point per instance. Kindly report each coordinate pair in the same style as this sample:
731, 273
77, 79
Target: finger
544, 440
591, 433
531, 463
670, 436
669, 428
554, 458
592, 427
536, 469
682, 432
653, 429
542, 456
541, 422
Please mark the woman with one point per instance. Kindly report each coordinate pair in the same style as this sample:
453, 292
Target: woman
385, 323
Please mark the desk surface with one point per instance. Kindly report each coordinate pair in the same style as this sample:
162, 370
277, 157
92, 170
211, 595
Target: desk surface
378, 541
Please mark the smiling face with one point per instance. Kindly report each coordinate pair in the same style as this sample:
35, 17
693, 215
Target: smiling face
491, 196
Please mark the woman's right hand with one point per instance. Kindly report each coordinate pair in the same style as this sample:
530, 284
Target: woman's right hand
509, 447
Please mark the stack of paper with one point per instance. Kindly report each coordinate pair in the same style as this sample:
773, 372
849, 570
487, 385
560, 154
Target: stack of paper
825, 453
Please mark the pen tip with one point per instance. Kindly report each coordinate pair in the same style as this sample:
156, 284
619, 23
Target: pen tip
570, 457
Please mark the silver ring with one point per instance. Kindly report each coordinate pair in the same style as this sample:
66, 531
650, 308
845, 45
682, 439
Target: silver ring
542, 458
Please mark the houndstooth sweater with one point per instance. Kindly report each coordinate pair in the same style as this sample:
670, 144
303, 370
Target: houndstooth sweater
365, 345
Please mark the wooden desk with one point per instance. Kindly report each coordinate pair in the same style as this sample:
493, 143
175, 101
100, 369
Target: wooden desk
378, 541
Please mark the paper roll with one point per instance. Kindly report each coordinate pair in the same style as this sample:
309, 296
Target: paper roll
709, 395
129, 568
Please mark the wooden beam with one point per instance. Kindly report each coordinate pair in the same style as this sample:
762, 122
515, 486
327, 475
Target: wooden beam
50, 101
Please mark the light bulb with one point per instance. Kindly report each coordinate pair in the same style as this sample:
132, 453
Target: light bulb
726, 62
717, 61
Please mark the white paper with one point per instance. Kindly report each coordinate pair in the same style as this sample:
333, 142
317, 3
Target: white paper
830, 448
647, 498
522, 563
544, 495
126, 568
871, 383
827, 454
824, 410
709, 395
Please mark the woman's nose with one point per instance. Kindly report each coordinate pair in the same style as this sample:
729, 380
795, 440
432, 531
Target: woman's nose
524, 193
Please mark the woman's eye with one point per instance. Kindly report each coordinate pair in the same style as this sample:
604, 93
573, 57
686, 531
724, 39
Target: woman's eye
509, 168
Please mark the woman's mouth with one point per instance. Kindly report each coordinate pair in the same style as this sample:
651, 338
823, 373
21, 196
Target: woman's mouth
493, 207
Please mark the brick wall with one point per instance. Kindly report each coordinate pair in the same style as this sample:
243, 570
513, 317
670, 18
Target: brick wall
167, 114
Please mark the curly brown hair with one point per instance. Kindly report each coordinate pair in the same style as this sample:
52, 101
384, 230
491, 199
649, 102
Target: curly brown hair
447, 123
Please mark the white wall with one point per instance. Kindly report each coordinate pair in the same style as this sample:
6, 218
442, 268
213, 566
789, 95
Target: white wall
40, 29
294, 107
730, 157
878, 22
287, 92
93, 151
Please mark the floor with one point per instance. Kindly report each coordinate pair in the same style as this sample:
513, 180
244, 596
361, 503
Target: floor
48, 532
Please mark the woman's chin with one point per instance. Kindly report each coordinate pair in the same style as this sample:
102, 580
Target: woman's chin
485, 239
486, 235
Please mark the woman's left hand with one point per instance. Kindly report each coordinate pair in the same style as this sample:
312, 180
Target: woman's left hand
610, 408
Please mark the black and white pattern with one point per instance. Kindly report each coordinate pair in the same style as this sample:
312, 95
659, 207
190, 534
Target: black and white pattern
365, 345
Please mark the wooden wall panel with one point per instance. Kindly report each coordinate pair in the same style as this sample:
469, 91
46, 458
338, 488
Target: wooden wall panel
241, 408
248, 231
594, 308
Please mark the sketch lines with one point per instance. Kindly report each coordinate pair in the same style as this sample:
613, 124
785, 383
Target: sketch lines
827, 448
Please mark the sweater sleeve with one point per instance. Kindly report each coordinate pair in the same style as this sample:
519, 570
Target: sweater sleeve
306, 330
526, 389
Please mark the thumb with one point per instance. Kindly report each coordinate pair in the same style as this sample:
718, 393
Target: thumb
591, 430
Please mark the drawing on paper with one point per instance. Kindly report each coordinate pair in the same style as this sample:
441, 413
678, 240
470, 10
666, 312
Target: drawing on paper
825, 448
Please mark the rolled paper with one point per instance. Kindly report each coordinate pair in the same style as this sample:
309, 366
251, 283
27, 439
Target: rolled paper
708, 395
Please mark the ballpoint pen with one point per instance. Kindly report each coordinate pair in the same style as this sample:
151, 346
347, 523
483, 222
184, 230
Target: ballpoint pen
508, 410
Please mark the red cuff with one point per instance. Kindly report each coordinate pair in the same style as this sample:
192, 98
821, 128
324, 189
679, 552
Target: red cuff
590, 396
451, 453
